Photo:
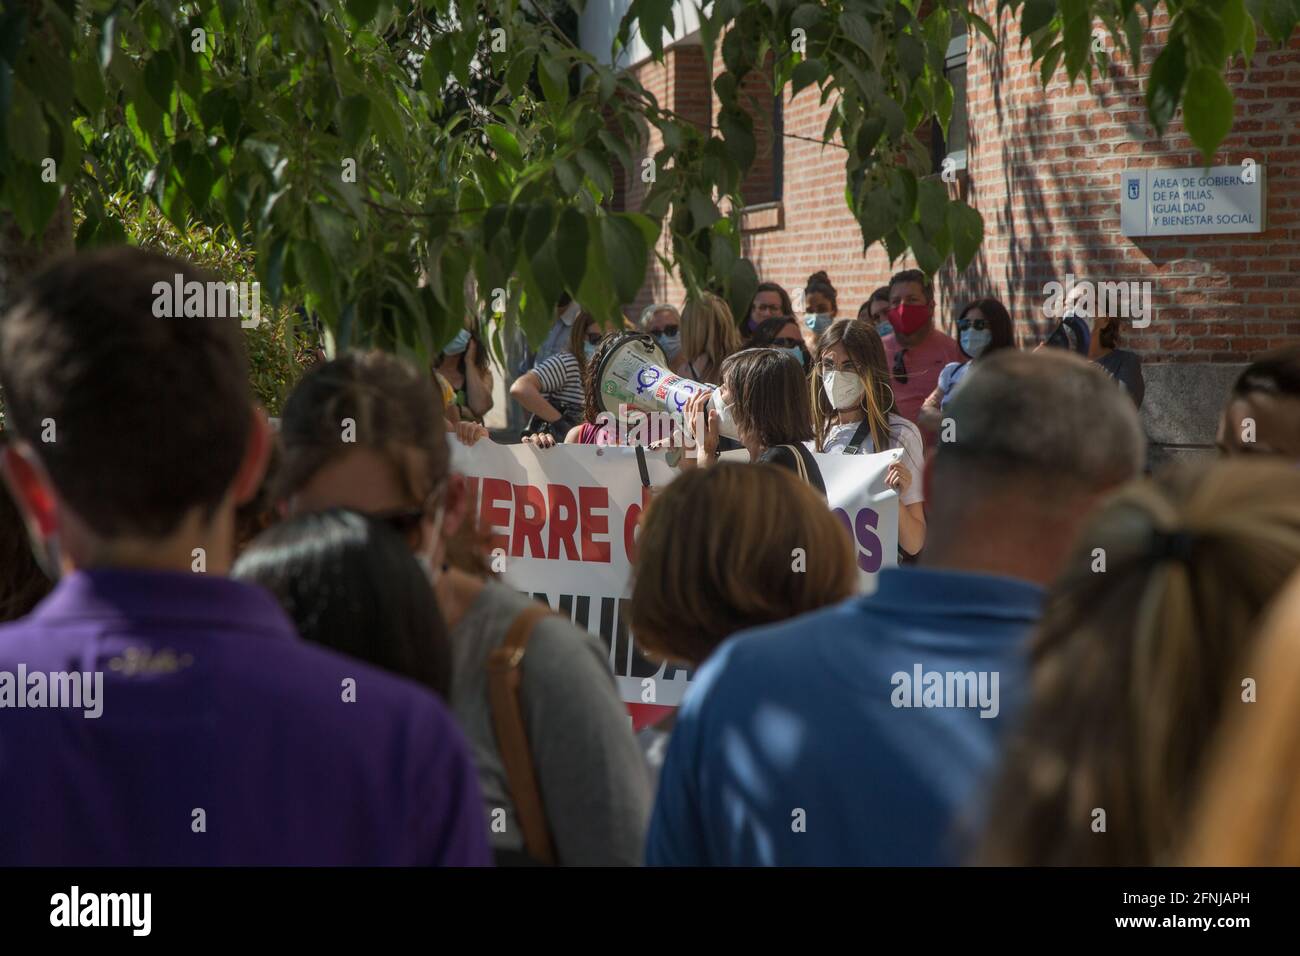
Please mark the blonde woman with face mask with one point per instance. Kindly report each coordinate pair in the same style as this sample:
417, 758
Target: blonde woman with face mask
853, 414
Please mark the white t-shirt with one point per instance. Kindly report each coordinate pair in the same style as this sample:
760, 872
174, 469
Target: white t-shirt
903, 434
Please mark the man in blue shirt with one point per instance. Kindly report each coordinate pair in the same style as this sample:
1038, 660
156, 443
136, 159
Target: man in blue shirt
152, 711
860, 734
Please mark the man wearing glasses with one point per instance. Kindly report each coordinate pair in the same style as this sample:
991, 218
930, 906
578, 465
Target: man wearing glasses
917, 351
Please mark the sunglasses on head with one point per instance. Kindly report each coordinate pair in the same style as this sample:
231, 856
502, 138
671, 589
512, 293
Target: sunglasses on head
404, 521
667, 330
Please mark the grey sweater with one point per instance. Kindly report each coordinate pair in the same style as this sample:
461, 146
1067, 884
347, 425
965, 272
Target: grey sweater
594, 783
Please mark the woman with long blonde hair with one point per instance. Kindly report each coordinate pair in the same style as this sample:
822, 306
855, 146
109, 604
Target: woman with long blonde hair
853, 413
1140, 655
709, 335
1249, 810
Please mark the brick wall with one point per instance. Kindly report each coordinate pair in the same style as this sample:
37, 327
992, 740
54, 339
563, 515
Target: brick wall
1043, 169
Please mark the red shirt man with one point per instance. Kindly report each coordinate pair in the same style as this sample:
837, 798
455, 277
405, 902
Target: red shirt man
917, 351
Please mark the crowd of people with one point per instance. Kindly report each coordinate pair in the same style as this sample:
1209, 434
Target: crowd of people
308, 659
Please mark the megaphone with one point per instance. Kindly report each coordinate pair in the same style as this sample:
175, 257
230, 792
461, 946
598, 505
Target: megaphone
634, 373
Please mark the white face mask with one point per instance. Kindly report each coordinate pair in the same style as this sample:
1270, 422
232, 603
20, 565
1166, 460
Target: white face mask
844, 389
726, 424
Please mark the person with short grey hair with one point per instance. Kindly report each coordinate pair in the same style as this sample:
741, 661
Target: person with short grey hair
873, 723
664, 323
1024, 452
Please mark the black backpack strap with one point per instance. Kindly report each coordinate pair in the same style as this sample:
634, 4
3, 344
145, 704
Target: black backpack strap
860, 434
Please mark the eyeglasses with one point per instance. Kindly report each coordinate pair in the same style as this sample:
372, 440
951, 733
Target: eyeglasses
848, 366
979, 325
667, 330
900, 370
594, 338
785, 342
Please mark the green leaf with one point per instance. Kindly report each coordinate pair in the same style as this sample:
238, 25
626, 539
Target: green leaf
89, 84
25, 127
318, 274
159, 78
362, 11
1165, 84
553, 72
571, 248
911, 55
737, 130
1134, 31
1277, 17
31, 201
537, 228
1051, 60
625, 254
966, 227
1076, 35
505, 145
1233, 17
806, 74
199, 179
1207, 109
857, 29
926, 255
598, 172
1036, 14
741, 286
352, 114
334, 231
437, 66
521, 67
980, 24
943, 103
703, 212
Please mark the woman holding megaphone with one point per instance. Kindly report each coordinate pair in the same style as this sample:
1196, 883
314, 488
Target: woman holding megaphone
762, 403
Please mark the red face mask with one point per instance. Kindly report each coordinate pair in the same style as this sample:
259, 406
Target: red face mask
909, 318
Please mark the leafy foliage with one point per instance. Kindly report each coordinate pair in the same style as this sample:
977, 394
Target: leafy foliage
278, 347
395, 165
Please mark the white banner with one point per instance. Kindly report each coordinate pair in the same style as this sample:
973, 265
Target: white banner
563, 521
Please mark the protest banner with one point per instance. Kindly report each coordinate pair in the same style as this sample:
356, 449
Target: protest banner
563, 523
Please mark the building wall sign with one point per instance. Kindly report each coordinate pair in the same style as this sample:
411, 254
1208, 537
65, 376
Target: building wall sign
1195, 201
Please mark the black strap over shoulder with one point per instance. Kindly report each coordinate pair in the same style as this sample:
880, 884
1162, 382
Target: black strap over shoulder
860, 434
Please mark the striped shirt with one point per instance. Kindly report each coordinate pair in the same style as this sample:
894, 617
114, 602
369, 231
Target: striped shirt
561, 379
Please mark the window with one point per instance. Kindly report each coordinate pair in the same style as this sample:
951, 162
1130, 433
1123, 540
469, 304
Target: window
955, 70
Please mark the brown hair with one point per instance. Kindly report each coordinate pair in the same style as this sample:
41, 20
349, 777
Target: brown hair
1134, 660
769, 396
393, 410
715, 556
819, 283
1249, 811
153, 414
578, 338
865, 348
709, 330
